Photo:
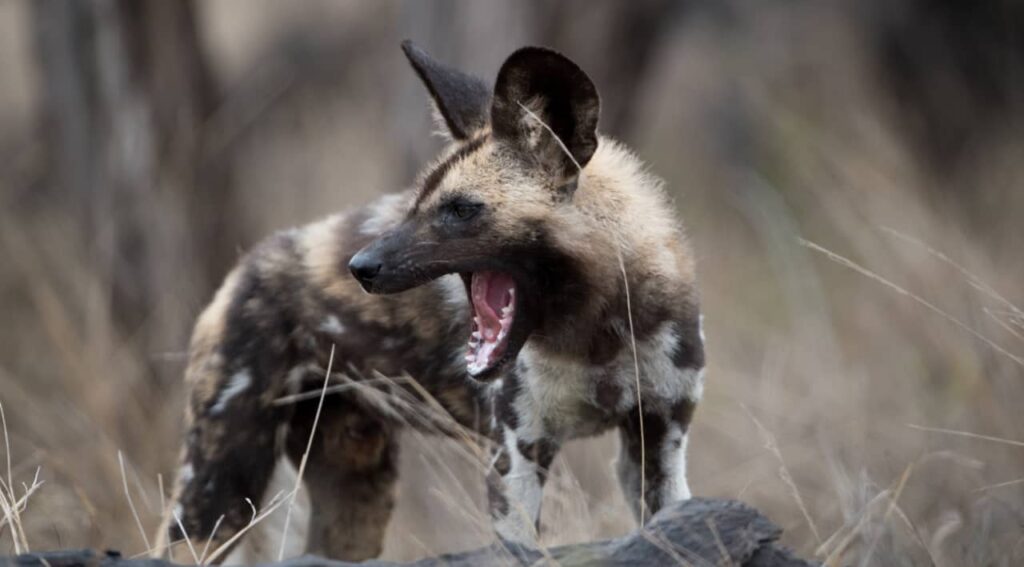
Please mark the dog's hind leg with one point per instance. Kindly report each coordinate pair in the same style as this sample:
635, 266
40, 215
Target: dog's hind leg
239, 359
226, 464
350, 475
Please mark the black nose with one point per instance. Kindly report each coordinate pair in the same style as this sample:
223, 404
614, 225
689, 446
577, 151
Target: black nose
364, 268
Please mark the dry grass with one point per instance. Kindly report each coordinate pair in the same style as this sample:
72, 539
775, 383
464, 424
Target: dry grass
864, 390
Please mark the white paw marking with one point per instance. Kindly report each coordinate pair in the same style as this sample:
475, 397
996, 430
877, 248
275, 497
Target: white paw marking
673, 457
524, 493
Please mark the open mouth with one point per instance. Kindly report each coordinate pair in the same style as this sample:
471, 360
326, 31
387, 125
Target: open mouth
493, 298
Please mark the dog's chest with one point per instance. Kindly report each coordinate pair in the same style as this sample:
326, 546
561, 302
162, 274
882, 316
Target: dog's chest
568, 398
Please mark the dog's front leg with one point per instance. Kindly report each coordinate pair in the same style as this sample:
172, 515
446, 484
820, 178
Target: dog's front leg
515, 483
652, 458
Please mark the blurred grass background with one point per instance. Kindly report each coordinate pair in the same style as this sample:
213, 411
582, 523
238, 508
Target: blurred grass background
144, 145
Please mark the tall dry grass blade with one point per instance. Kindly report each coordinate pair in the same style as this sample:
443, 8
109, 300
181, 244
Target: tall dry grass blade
157, 550
163, 498
336, 389
275, 503
971, 278
834, 557
579, 170
131, 503
7, 446
1008, 327
915, 533
188, 540
305, 456
1000, 485
561, 144
639, 397
843, 261
967, 434
772, 445
10, 504
888, 511
726, 560
669, 549
213, 532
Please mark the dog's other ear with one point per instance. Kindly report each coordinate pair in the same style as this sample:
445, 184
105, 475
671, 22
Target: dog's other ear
460, 98
539, 85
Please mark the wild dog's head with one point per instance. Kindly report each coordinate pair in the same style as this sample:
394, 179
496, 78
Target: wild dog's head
482, 211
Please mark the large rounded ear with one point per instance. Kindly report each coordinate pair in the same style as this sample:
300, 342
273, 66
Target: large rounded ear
460, 98
546, 106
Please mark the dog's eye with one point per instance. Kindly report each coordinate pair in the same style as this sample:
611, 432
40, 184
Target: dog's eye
462, 210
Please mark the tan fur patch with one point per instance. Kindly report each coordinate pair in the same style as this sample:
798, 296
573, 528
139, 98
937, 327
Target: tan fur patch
204, 373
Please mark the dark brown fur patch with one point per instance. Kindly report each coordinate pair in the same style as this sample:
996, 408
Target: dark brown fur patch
608, 393
497, 502
504, 401
434, 178
682, 413
689, 348
541, 452
351, 473
655, 429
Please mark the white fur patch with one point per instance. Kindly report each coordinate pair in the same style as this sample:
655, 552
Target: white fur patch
673, 458
658, 374
454, 291
696, 380
293, 381
524, 493
186, 474
555, 388
331, 324
384, 214
239, 382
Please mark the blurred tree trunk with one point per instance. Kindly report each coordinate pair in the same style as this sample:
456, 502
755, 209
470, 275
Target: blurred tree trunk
127, 92
954, 69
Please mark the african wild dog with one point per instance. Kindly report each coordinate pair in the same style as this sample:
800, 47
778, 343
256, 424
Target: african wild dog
547, 246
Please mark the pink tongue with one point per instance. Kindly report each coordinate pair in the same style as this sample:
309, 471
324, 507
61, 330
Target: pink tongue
491, 293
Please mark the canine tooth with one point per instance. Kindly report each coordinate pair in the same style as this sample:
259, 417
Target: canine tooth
475, 335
